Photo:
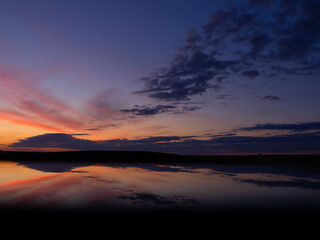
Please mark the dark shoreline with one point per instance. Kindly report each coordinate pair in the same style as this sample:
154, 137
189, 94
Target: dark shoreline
157, 157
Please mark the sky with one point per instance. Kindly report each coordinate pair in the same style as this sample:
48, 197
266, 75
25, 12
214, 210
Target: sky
186, 77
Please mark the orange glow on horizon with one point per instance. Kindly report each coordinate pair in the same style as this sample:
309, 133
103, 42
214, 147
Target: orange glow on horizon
30, 124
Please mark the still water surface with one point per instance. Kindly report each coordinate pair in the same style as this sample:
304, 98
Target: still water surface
66, 186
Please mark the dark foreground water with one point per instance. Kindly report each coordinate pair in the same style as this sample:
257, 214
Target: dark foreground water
109, 187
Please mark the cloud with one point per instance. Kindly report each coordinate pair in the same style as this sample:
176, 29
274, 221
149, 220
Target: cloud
262, 3
70, 141
149, 110
159, 139
299, 141
296, 183
191, 70
56, 140
295, 127
238, 41
93, 129
298, 36
272, 98
186, 77
147, 198
225, 97
25, 101
101, 107
250, 74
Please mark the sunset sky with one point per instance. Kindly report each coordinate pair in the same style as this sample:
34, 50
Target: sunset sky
180, 76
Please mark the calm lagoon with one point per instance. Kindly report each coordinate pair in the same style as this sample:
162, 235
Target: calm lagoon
111, 187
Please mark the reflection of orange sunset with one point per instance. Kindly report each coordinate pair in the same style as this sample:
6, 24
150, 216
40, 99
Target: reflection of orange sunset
147, 186
11, 172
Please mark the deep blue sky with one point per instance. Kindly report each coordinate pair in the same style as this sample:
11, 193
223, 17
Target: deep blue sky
174, 76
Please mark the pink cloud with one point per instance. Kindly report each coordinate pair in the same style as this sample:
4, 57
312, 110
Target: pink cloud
23, 100
21, 119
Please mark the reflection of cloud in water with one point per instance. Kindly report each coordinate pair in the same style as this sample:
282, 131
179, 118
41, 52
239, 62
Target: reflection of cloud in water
241, 173
104, 186
295, 183
228, 169
146, 198
52, 166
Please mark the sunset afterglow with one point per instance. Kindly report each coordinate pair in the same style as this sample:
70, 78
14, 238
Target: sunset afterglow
190, 77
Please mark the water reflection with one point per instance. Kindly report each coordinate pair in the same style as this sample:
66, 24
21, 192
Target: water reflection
148, 187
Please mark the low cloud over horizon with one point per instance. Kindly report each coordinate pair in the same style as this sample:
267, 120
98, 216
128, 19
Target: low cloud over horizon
298, 141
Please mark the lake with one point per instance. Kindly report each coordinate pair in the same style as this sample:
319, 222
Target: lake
141, 187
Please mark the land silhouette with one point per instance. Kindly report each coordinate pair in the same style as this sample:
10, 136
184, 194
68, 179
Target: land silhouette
306, 160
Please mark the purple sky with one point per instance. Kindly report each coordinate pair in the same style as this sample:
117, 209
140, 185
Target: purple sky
200, 77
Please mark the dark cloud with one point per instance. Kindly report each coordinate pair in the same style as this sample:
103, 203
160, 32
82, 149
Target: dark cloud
239, 40
149, 110
272, 98
225, 97
289, 143
298, 35
188, 75
93, 129
296, 183
146, 198
286, 143
307, 68
263, 3
229, 21
69, 141
296, 127
251, 74
258, 43
56, 140
158, 139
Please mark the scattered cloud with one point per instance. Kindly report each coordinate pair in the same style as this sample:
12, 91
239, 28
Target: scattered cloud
240, 40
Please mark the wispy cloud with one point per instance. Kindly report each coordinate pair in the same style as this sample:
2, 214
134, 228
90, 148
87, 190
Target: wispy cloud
24, 101
32, 104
